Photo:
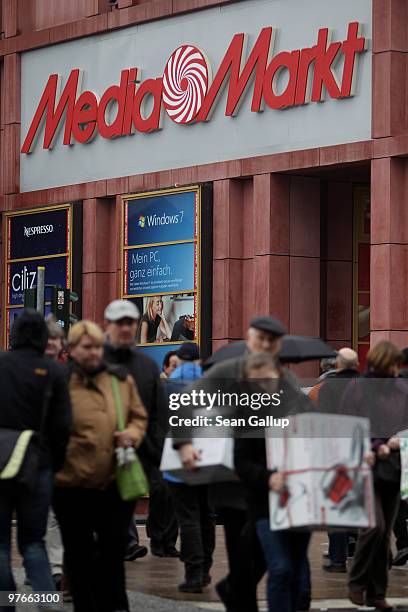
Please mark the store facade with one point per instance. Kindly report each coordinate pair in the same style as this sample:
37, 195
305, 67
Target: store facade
290, 131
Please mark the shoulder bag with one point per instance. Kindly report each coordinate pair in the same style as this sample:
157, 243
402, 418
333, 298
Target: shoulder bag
20, 452
130, 477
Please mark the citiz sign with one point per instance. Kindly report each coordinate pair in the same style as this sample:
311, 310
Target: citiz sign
188, 94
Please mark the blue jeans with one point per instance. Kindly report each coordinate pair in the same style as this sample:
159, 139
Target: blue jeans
305, 581
286, 558
31, 508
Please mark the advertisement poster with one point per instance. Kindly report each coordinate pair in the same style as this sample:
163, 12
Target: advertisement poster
33, 238
39, 233
160, 269
167, 218
161, 263
23, 275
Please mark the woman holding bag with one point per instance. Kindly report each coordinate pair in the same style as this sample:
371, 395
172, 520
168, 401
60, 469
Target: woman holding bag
383, 398
109, 422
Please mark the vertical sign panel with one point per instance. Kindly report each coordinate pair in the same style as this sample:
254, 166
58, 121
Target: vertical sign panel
38, 237
161, 267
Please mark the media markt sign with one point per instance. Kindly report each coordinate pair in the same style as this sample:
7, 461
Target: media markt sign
163, 92
187, 94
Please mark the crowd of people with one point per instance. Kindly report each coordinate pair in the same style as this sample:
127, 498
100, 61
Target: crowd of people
74, 528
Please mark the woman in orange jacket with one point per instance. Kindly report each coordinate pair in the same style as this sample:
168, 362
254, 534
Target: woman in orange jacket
94, 520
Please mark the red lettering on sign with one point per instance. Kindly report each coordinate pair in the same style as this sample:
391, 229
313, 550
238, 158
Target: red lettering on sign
130, 95
323, 74
305, 69
53, 115
353, 45
85, 117
150, 123
307, 57
114, 94
282, 61
238, 82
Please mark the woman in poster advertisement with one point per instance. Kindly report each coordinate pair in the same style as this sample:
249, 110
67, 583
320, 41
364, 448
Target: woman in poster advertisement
153, 321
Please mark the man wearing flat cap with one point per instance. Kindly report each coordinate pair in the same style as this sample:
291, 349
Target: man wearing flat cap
245, 557
265, 335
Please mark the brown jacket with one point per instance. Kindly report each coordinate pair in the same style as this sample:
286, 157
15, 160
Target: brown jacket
90, 460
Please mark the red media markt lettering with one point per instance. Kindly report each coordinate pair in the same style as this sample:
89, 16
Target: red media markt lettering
187, 93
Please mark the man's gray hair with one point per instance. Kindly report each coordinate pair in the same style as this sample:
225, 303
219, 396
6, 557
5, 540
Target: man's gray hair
54, 328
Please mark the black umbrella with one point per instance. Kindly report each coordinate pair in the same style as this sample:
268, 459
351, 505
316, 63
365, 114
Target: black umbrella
235, 349
295, 349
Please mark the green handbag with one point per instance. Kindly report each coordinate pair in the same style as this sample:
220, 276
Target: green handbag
131, 478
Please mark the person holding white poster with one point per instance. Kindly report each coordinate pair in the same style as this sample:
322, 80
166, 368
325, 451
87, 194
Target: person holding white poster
285, 551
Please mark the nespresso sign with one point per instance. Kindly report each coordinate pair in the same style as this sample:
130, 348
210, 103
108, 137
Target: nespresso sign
187, 92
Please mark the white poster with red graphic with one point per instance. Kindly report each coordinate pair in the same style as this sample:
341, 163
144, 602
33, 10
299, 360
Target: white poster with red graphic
328, 483
403, 436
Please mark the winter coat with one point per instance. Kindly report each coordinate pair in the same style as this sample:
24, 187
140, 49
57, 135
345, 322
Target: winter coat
224, 375
384, 401
332, 389
187, 372
250, 453
90, 460
25, 378
183, 376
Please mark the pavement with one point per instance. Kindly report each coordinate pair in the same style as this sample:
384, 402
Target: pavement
151, 603
137, 601
152, 583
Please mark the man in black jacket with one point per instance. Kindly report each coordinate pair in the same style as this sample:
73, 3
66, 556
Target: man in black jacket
332, 390
34, 396
122, 318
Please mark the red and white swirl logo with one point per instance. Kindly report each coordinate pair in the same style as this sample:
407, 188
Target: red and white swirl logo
185, 83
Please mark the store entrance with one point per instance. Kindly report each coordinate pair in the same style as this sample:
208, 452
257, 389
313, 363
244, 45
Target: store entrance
345, 260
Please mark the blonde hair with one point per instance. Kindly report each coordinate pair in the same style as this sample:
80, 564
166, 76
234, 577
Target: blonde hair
149, 308
82, 328
383, 356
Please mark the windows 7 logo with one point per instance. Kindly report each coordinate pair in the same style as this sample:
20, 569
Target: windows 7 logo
142, 221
